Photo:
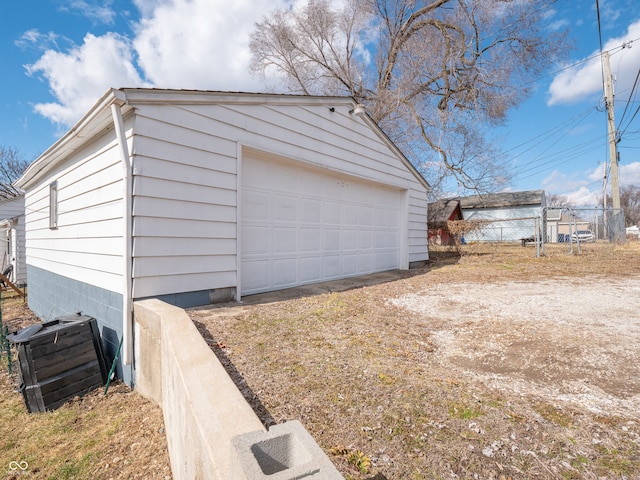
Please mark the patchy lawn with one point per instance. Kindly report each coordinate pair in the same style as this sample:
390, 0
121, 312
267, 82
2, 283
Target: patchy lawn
118, 436
495, 364
491, 365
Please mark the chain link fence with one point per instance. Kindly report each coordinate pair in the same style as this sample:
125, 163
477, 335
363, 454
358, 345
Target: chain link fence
555, 225
5, 347
504, 230
564, 225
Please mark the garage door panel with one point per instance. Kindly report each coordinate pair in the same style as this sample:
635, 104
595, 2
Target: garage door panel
285, 208
310, 269
331, 212
256, 173
350, 264
365, 262
393, 242
349, 239
301, 225
365, 240
351, 215
331, 266
365, 216
311, 210
255, 240
255, 205
383, 260
331, 241
380, 239
284, 240
284, 272
255, 275
310, 239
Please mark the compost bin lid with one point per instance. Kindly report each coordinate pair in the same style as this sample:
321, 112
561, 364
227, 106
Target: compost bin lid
24, 334
36, 330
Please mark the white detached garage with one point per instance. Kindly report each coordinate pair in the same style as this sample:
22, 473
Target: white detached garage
198, 196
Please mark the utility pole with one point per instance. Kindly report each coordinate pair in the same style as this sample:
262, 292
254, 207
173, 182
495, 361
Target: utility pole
613, 143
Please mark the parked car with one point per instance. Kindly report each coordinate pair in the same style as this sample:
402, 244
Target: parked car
583, 236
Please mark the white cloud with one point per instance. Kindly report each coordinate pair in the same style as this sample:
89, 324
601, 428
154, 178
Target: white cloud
630, 174
610, 11
35, 39
78, 78
583, 197
588, 192
190, 44
200, 43
576, 188
97, 12
559, 183
577, 83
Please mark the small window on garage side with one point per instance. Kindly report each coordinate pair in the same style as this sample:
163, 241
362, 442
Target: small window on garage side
53, 206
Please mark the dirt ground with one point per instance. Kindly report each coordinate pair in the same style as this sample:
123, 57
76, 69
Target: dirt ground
495, 365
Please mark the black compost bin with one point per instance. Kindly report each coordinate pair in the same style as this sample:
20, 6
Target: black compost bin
59, 360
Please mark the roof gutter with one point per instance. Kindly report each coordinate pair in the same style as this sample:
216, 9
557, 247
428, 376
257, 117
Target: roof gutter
127, 302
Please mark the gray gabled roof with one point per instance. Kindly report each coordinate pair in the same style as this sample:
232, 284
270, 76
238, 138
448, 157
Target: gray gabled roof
505, 199
440, 211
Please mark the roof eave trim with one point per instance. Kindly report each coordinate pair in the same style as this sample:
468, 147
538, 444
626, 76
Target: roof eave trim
49, 157
385, 138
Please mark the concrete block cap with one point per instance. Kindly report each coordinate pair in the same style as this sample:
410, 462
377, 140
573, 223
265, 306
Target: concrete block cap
285, 452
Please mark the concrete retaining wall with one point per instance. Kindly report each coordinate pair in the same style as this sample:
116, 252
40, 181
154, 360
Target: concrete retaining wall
203, 409
212, 432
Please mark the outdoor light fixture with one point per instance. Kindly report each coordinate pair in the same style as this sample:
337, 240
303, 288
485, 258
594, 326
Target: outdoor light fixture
358, 110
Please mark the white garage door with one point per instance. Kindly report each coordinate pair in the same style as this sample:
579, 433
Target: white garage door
300, 226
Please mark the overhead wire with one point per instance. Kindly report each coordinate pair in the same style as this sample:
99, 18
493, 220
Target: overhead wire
555, 134
546, 135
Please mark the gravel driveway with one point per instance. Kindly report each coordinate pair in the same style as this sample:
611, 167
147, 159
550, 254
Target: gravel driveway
569, 340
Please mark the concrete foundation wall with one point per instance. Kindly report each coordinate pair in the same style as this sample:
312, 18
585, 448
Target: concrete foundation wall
52, 295
203, 409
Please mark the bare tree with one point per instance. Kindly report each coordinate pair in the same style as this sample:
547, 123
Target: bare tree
630, 203
12, 165
558, 201
435, 74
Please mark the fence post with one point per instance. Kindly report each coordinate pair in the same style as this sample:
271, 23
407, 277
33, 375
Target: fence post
1, 328
8, 348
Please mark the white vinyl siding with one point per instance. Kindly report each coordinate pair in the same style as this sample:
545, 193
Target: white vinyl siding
184, 208
185, 198
12, 211
87, 244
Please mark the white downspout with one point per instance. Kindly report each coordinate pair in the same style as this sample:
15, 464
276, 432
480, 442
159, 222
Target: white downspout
127, 307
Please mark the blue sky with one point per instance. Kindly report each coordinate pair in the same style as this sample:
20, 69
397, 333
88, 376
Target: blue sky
60, 56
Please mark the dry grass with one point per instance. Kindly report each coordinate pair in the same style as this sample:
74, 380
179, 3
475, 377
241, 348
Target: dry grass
363, 377
488, 262
368, 383
118, 436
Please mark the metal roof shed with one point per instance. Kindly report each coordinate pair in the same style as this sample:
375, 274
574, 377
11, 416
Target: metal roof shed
509, 215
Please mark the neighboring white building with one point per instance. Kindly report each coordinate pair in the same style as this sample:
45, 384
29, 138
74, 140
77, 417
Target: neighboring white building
509, 216
198, 196
12, 243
